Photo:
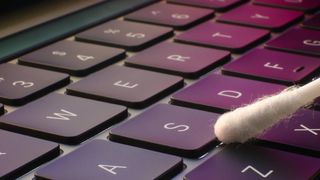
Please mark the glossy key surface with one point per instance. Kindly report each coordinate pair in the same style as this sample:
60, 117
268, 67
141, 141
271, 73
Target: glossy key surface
127, 86
179, 59
313, 22
176, 16
72, 57
20, 154
219, 93
301, 5
125, 34
246, 162
303, 41
61, 118
100, 160
261, 17
223, 36
273, 66
219, 5
170, 129
20, 84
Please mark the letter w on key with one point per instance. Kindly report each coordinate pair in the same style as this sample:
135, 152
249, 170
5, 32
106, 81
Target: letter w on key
63, 115
256, 171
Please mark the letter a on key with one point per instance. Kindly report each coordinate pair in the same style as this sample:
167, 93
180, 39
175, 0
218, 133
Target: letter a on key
62, 116
110, 168
230, 93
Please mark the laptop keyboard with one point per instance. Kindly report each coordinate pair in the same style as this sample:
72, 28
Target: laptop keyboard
136, 97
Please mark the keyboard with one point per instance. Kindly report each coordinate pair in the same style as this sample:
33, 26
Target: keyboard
135, 94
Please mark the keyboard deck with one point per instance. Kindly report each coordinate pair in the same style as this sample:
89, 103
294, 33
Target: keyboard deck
136, 97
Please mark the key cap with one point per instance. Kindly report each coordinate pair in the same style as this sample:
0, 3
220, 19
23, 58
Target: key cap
21, 84
126, 86
246, 162
72, 57
223, 36
124, 34
20, 154
218, 5
303, 41
171, 129
218, 93
102, 159
1, 109
261, 17
300, 5
176, 16
313, 23
273, 66
179, 59
66, 119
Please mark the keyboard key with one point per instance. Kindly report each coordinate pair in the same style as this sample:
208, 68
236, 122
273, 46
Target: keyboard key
303, 41
1, 109
20, 154
261, 17
313, 23
20, 84
176, 16
219, 93
124, 34
127, 86
244, 162
219, 5
64, 119
223, 36
72, 57
171, 129
179, 59
273, 66
301, 5
102, 159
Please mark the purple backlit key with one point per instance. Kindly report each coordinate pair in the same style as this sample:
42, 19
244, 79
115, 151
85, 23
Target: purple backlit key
127, 86
170, 129
179, 59
313, 22
247, 162
300, 133
1, 109
219, 5
125, 34
20, 154
176, 16
219, 93
273, 66
61, 118
223, 36
300, 5
101, 160
20, 84
303, 41
261, 17
73, 57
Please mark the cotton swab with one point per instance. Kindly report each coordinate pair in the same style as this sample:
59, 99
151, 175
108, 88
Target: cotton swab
246, 122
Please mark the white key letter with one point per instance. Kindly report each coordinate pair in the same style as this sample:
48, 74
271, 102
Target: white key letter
256, 171
230, 93
311, 42
180, 16
178, 58
259, 16
84, 57
218, 34
275, 66
305, 128
62, 116
110, 168
180, 128
125, 85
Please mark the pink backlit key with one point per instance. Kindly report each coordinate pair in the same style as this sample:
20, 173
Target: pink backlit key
223, 36
179, 17
219, 5
261, 17
301, 5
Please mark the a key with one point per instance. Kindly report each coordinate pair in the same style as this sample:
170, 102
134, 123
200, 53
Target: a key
72, 57
64, 119
1, 109
170, 129
300, 5
313, 22
21, 84
261, 17
303, 41
102, 159
223, 36
127, 86
247, 162
218, 5
273, 66
20, 154
176, 16
219, 93
125, 34
179, 59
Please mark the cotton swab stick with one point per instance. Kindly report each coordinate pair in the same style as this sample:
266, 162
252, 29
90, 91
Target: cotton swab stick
246, 122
